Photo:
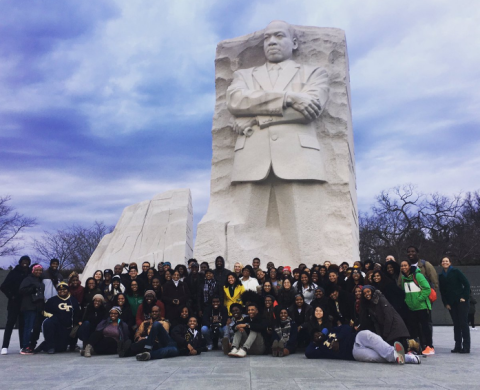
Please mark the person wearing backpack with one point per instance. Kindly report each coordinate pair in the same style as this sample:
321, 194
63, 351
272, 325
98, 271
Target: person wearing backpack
417, 292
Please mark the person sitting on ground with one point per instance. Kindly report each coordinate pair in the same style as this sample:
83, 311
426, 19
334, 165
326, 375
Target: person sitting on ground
182, 319
269, 312
158, 345
141, 335
250, 335
237, 317
121, 301
175, 296
339, 305
284, 334
93, 314
388, 323
108, 335
214, 323
301, 312
63, 313
365, 346
149, 300
189, 339
319, 322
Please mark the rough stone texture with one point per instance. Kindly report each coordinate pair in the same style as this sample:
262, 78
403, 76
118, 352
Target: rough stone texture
221, 232
154, 230
214, 370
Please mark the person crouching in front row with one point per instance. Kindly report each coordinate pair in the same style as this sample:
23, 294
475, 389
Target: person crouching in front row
250, 335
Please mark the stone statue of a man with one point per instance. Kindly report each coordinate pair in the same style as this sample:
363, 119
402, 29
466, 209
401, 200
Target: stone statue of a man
274, 105
278, 165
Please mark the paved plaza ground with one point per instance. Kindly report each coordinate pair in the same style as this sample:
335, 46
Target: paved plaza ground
213, 370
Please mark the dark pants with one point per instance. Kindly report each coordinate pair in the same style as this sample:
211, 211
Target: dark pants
167, 347
57, 337
418, 326
471, 319
461, 332
103, 345
29, 317
37, 328
13, 315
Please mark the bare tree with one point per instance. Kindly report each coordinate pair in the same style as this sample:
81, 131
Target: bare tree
392, 222
11, 226
439, 225
72, 246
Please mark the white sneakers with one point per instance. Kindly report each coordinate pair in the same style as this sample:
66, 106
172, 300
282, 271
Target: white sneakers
240, 352
4, 351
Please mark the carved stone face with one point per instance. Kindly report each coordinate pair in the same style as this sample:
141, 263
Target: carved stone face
278, 43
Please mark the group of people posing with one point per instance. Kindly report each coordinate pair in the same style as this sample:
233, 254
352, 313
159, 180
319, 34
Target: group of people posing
368, 312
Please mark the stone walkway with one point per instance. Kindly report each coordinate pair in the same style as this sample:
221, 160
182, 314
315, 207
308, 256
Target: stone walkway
213, 370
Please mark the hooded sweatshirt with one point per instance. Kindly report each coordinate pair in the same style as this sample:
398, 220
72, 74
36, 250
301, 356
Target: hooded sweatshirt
11, 285
220, 274
66, 311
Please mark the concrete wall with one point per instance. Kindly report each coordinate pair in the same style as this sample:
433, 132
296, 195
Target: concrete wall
440, 314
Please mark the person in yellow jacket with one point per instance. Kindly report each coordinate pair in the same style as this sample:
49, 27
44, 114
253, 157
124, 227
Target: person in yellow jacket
232, 291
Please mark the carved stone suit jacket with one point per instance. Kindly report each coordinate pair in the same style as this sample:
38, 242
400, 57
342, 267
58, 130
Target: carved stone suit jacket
284, 140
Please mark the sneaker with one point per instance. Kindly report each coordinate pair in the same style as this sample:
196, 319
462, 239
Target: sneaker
88, 351
241, 353
414, 359
143, 357
473, 328
209, 347
26, 351
399, 353
4, 351
225, 345
428, 351
233, 352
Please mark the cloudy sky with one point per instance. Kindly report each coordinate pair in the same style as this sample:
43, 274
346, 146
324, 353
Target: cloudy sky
105, 103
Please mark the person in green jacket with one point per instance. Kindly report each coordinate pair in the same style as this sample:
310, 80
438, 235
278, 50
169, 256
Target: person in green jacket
417, 290
455, 290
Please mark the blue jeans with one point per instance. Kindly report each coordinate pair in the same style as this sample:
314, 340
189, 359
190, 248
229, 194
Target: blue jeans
165, 347
29, 321
207, 333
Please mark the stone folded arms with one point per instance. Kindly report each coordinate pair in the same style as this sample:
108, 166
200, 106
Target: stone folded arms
268, 108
